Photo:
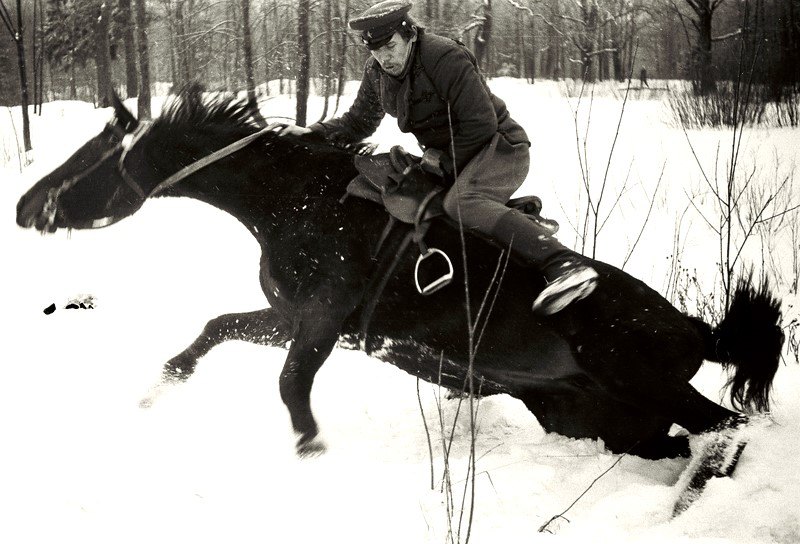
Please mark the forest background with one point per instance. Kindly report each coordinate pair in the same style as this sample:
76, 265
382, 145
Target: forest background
80, 49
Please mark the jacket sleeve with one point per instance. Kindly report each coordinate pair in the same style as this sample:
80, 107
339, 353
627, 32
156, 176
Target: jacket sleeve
363, 117
474, 119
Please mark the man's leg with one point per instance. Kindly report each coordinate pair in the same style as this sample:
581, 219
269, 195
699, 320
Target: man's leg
477, 200
568, 277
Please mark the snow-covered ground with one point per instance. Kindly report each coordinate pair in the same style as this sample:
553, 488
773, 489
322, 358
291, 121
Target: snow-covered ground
213, 460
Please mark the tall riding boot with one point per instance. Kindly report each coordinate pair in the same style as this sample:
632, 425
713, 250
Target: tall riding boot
568, 277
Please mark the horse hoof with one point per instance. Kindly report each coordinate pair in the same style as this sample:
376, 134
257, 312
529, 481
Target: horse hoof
719, 451
154, 393
308, 448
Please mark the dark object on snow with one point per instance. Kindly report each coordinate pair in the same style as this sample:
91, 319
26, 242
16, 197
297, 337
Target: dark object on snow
81, 302
50, 309
615, 365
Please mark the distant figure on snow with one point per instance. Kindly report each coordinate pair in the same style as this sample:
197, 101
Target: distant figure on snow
643, 79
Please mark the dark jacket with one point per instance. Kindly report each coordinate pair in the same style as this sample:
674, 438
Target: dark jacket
441, 71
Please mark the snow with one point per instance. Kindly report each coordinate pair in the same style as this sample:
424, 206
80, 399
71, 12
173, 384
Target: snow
213, 460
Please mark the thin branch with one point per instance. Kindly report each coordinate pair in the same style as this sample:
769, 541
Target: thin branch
544, 528
700, 213
427, 432
647, 217
727, 36
8, 20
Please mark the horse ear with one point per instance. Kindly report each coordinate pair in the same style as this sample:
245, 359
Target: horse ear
124, 116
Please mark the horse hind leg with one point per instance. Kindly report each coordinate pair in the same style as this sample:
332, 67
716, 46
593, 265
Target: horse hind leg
717, 455
263, 327
583, 413
723, 433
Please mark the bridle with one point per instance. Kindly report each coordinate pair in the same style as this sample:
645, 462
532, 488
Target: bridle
130, 139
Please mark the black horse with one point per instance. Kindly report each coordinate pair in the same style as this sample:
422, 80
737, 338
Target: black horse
614, 366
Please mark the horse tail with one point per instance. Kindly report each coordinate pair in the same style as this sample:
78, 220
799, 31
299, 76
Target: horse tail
748, 342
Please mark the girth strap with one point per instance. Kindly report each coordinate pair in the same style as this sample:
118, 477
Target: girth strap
379, 281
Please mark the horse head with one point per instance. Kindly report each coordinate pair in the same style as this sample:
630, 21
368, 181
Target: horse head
81, 193
114, 173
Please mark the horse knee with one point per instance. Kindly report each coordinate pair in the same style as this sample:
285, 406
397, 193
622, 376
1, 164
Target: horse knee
180, 367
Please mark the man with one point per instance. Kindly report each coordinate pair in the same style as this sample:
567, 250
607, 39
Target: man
433, 87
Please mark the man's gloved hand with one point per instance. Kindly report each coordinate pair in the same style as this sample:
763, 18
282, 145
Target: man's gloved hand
432, 162
293, 130
437, 163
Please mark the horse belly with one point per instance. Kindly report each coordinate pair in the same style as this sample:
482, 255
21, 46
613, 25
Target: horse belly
499, 368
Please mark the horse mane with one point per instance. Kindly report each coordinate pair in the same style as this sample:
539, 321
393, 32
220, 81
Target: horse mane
192, 110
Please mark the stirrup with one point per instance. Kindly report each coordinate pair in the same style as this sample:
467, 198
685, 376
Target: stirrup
441, 281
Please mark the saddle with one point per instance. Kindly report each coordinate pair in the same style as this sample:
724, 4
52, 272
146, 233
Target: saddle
412, 191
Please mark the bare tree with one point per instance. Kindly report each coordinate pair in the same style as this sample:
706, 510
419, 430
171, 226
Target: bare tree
143, 103
483, 20
125, 20
327, 56
703, 69
304, 57
102, 54
17, 32
583, 29
247, 46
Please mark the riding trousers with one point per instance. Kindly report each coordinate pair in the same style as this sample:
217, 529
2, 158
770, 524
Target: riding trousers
478, 200
487, 183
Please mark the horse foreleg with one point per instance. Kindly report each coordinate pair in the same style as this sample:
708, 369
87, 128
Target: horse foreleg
313, 341
263, 327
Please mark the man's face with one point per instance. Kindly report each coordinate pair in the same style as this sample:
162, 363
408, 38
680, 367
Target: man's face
392, 56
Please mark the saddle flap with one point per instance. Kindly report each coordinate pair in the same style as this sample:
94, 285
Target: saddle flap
395, 180
362, 187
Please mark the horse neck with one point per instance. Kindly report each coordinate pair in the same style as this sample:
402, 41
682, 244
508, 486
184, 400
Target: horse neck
262, 185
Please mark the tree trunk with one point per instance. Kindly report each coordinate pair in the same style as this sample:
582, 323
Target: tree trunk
181, 49
304, 58
265, 32
342, 57
172, 43
73, 84
35, 60
128, 27
533, 53
247, 46
551, 62
519, 24
19, 38
702, 65
281, 50
40, 90
705, 68
102, 56
483, 39
143, 102
327, 69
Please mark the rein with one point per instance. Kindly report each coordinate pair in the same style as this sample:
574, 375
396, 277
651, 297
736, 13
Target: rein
131, 139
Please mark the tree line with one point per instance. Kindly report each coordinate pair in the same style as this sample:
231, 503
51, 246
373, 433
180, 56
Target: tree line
80, 49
